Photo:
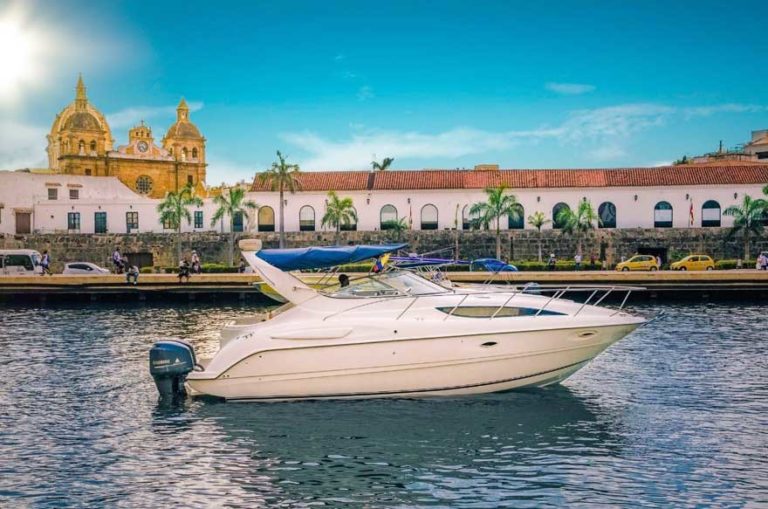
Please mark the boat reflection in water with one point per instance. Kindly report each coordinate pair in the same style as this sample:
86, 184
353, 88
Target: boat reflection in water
393, 334
527, 444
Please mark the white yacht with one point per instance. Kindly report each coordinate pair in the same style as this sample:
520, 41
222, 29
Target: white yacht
392, 334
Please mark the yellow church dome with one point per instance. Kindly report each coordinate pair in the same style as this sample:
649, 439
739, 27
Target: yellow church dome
82, 120
183, 128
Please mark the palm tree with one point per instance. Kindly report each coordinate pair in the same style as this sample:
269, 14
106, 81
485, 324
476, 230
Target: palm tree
537, 220
175, 208
339, 211
748, 218
396, 226
497, 206
232, 202
578, 223
383, 165
281, 177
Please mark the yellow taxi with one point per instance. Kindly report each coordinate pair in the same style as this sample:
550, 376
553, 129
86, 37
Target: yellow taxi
639, 262
694, 262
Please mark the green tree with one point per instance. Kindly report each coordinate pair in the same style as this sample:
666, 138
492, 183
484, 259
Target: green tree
231, 202
538, 220
281, 177
339, 211
682, 160
396, 226
579, 223
748, 219
384, 164
175, 208
498, 205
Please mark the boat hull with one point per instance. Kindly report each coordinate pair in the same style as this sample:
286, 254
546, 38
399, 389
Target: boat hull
424, 367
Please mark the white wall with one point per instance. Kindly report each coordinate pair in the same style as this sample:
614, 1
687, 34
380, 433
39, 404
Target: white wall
630, 212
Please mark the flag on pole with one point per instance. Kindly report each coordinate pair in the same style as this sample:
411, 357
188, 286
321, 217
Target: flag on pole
690, 214
378, 266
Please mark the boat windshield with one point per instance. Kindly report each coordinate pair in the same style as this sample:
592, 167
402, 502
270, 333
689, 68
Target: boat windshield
392, 283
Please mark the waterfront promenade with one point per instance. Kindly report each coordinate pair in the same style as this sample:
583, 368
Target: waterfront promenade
242, 286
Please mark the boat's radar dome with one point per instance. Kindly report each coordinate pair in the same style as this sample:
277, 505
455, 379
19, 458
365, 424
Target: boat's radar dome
170, 361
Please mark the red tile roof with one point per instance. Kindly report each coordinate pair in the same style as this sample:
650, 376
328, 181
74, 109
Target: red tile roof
687, 175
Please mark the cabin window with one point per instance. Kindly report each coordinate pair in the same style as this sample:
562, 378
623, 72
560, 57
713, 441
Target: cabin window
494, 311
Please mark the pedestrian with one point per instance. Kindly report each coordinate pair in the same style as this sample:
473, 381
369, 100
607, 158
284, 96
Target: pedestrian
577, 259
592, 259
117, 261
241, 268
45, 264
551, 262
184, 270
196, 269
131, 273
658, 262
739, 264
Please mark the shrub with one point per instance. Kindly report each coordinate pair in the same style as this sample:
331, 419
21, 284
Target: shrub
725, 264
146, 270
217, 268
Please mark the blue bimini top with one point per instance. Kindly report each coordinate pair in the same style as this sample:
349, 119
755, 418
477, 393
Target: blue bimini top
323, 257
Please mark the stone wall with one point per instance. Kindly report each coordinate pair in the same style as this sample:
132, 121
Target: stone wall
515, 245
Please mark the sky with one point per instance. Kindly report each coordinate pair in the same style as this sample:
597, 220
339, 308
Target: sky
433, 84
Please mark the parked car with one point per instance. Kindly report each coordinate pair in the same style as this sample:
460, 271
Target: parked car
19, 262
83, 269
639, 262
491, 265
694, 262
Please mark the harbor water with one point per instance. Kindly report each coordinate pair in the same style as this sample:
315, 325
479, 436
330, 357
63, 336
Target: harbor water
675, 415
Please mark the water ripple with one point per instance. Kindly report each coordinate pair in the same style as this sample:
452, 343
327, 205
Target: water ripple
675, 415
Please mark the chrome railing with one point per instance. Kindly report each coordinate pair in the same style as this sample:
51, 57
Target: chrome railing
558, 292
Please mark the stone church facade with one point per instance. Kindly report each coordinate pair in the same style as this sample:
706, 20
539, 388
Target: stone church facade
81, 143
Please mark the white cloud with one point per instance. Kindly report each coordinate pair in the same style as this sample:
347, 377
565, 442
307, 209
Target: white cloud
705, 111
128, 117
606, 153
611, 126
365, 93
22, 146
569, 88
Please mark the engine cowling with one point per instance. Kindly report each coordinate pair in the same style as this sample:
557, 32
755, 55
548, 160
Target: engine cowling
170, 361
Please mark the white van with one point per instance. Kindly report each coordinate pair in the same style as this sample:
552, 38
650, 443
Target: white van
20, 262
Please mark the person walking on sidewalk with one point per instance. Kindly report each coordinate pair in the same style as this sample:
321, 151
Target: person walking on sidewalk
45, 264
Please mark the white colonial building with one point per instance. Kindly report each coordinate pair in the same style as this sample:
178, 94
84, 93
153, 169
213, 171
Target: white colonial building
659, 197
58, 203
685, 196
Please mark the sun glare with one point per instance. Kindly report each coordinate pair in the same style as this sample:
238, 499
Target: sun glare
18, 52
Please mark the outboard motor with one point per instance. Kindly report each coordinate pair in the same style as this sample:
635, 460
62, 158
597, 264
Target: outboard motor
170, 361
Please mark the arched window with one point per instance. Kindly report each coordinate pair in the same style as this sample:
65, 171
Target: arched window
429, 217
93, 146
606, 215
81, 147
306, 219
266, 219
710, 213
352, 225
469, 220
662, 215
184, 154
388, 216
194, 153
516, 221
557, 222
